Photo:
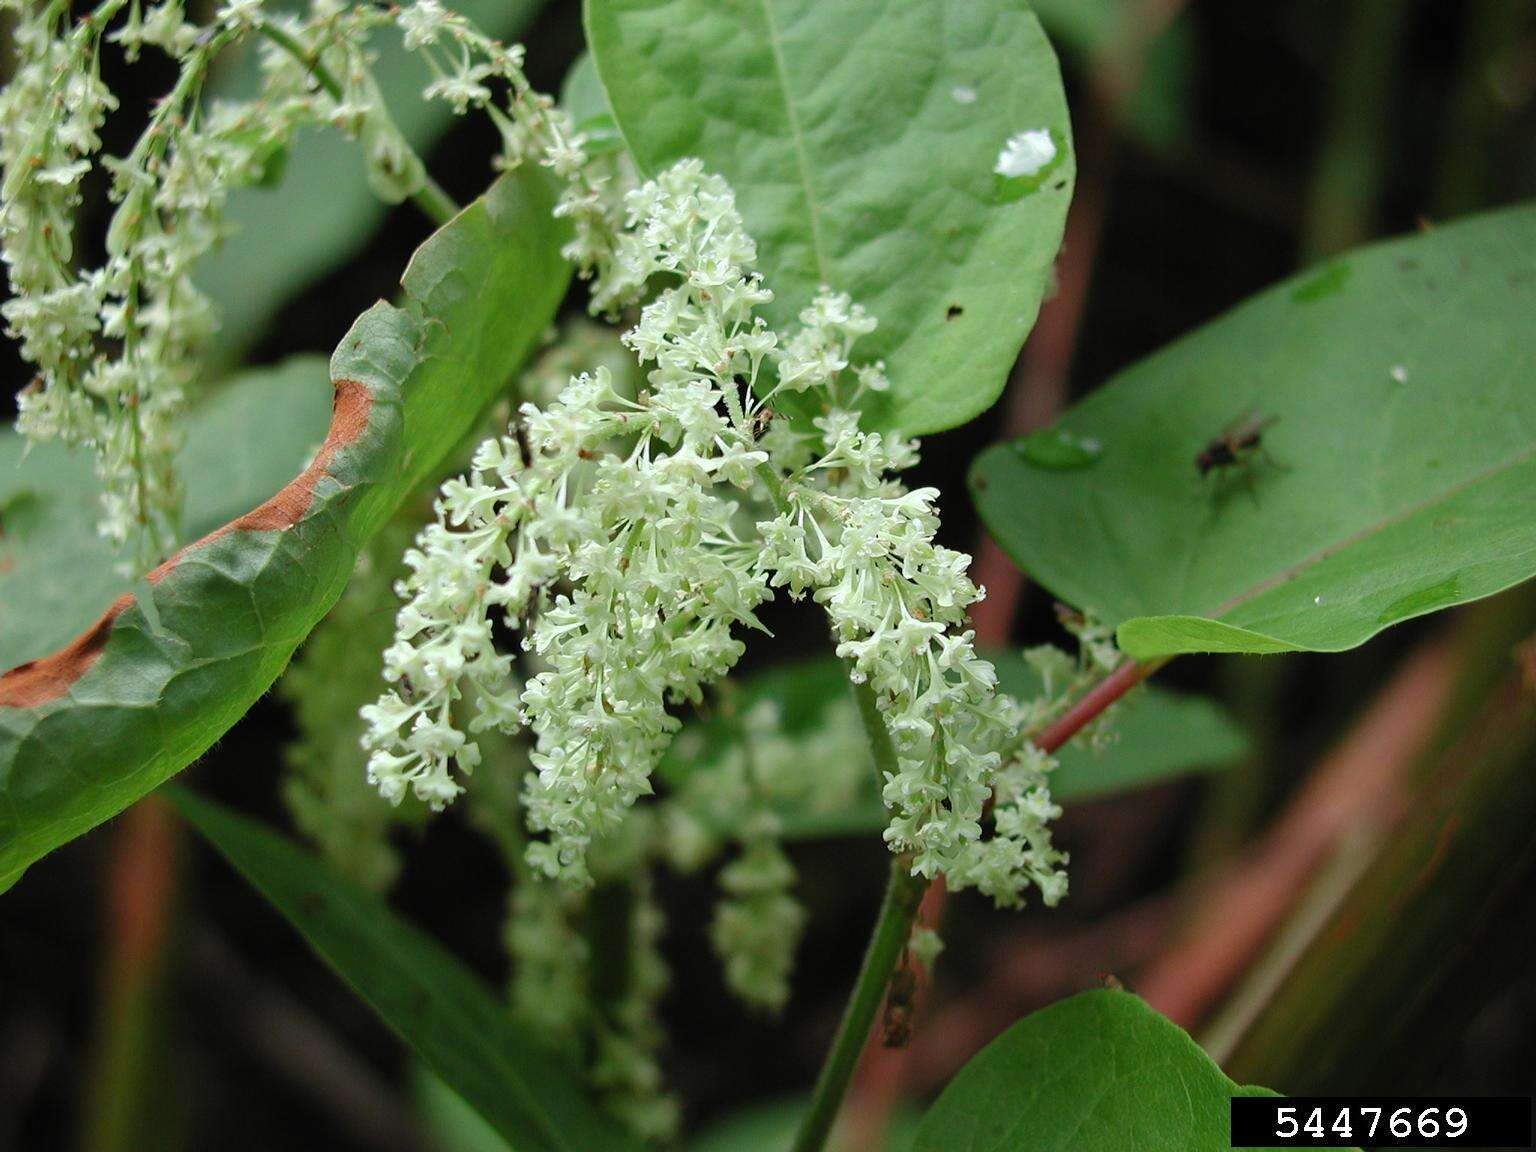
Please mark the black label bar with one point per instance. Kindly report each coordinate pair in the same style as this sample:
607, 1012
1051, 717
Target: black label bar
1381, 1122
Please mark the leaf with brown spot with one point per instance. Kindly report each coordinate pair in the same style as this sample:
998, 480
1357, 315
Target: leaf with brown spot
89, 729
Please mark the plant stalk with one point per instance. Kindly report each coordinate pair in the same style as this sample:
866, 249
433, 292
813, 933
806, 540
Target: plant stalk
893, 926
1346, 185
430, 198
1092, 704
903, 894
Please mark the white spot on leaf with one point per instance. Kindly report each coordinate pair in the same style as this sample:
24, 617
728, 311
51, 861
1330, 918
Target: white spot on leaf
1026, 153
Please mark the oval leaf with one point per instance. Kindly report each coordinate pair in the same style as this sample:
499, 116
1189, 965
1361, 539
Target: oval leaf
1101, 1072
1395, 472
450, 1020
861, 139
170, 666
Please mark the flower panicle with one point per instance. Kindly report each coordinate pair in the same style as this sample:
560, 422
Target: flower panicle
636, 536
117, 347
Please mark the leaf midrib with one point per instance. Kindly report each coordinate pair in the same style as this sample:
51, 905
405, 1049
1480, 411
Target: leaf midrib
1286, 575
797, 137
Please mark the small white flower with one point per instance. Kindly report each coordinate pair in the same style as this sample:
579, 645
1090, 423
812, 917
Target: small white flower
963, 94
1026, 153
240, 12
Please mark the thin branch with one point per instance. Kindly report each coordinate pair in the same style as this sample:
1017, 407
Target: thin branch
1092, 704
430, 198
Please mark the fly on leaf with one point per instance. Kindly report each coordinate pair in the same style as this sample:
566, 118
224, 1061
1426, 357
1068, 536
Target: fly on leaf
1239, 443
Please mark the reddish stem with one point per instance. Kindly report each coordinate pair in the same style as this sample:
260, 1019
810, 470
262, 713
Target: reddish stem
1092, 703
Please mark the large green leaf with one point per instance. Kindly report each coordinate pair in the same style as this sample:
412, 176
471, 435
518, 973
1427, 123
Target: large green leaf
1101, 1072
1399, 475
451, 1021
57, 572
860, 137
169, 667
287, 236
1158, 736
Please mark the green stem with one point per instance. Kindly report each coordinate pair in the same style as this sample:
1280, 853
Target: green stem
434, 202
903, 894
879, 736
1474, 114
770, 480
893, 927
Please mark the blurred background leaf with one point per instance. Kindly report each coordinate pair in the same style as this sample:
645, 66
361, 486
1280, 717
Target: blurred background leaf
450, 1020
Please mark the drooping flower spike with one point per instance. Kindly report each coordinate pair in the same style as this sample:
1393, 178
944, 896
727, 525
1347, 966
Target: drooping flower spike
630, 543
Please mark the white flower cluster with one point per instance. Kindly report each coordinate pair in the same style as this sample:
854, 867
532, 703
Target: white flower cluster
566, 986
758, 921
736, 792
897, 601
550, 965
464, 64
141, 304
606, 527
626, 540
627, 1035
116, 347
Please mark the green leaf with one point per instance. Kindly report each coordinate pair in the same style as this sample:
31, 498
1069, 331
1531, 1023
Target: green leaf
1158, 736
450, 1123
1398, 477
450, 1020
57, 573
170, 667
583, 98
860, 137
286, 236
1101, 1072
